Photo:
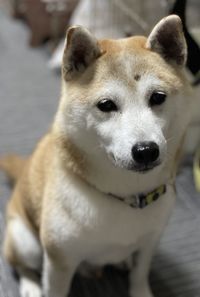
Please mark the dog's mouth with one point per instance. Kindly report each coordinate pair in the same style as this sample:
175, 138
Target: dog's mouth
143, 168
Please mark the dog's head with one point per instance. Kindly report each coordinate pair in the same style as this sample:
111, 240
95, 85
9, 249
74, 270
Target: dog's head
121, 99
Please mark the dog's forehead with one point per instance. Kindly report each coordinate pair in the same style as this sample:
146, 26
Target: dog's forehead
130, 61
129, 58
123, 52
136, 43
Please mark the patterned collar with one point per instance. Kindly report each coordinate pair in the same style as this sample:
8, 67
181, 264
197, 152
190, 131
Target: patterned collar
143, 200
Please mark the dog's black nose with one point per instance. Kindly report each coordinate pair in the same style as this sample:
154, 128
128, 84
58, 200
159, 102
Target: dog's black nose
145, 153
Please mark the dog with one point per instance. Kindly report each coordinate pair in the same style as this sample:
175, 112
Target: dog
100, 185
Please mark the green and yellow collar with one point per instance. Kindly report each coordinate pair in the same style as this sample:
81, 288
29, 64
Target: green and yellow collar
143, 200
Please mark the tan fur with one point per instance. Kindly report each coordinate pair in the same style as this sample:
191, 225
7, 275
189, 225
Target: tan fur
27, 198
13, 166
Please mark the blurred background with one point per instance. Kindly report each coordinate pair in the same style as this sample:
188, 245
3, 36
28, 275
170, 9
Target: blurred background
32, 35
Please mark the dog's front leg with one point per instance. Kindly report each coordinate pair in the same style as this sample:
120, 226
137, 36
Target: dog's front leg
57, 277
139, 272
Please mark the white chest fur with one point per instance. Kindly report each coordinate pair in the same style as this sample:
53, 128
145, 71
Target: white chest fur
99, 228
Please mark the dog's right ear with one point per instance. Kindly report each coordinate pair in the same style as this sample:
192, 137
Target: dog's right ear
81, 50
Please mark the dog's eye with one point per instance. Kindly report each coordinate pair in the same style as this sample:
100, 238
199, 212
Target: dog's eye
107, 105
157, 98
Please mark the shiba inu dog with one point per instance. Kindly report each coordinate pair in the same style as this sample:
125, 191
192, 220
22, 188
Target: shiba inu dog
100, 185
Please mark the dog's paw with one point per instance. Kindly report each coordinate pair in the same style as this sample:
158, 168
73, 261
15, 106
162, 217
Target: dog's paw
29, 288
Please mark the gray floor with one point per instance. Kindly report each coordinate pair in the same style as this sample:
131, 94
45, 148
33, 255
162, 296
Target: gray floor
29, 94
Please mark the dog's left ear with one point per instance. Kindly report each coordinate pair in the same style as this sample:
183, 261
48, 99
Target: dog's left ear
167, 39
81, 50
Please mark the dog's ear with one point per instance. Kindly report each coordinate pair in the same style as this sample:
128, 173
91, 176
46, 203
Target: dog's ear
167, 39
81, 50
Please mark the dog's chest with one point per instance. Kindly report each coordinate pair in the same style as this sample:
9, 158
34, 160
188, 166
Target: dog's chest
101, 229
115, 234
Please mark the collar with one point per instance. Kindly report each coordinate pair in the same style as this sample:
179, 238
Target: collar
143, 200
